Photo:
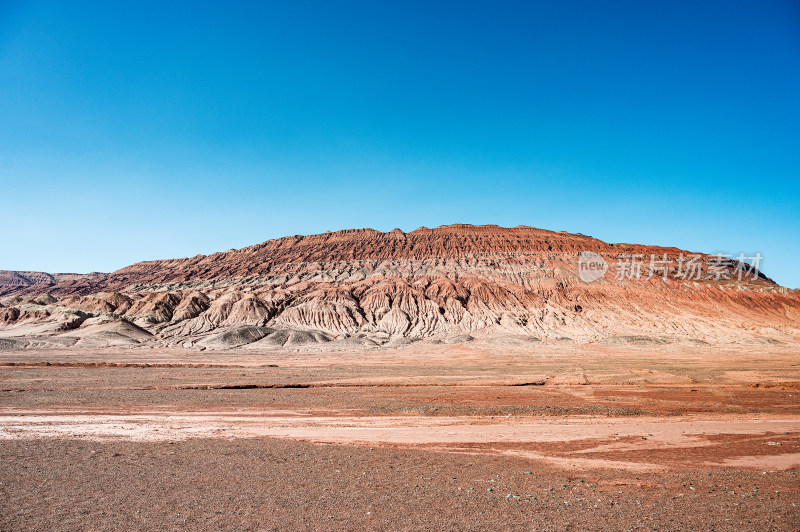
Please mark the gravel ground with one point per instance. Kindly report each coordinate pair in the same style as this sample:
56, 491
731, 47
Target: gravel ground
473, 474
269, 484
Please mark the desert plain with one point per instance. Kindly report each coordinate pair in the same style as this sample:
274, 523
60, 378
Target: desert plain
475, 436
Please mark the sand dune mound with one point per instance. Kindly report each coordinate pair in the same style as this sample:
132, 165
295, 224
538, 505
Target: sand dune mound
398, 341
36, 342
236, 336
353, 342
277, 338
106, 339
117, 332
306, 338
514, 339
290, 338
634, 340
107, 334
458, 339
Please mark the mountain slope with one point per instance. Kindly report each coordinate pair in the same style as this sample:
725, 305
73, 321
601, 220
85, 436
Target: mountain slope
429, 283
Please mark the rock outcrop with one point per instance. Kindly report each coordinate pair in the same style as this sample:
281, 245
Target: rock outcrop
366, 287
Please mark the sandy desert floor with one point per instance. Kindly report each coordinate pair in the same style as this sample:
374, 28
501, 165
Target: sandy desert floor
425, 437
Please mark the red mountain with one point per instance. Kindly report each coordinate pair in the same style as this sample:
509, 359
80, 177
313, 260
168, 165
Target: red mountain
440, 283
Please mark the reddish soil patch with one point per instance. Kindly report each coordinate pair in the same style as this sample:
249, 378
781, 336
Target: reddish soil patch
109, 439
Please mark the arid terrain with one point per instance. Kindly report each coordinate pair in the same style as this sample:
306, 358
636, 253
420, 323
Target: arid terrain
460, 378
453, 437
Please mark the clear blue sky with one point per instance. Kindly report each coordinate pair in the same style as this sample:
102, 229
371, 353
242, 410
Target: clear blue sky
143, 130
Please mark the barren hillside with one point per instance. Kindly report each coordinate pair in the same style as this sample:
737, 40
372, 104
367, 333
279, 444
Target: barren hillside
369, 288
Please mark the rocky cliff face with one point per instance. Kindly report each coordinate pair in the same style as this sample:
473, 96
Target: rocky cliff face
436, 284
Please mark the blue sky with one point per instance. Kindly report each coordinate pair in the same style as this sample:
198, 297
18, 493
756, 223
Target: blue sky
135, 131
